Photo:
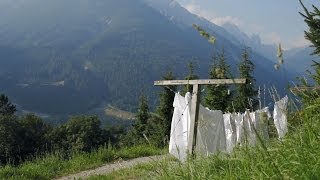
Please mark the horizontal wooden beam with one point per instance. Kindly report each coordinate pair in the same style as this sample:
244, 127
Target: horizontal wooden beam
200, 81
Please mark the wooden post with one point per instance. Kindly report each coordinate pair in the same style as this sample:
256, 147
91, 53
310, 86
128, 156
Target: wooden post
195, 103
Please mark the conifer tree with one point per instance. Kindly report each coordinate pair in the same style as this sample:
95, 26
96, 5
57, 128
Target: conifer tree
140, 127
165, 108
246, 93
191, 76
160, 121
313, 35
6, 107
219, 97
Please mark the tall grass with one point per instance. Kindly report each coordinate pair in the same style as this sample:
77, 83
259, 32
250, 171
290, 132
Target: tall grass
297, 156
55, 165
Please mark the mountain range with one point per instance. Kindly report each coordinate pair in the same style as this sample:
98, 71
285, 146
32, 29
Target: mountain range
72, 57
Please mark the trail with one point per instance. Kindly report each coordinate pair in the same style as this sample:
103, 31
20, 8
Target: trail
108, 168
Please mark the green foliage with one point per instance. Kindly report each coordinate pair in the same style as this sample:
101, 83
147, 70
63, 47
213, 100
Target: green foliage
246, 93
55, 165
312, 19
140, 128
116, 133
191, 76
35, 135
6, 108
219, 97
81, 133
160, 122
10, 140
206, 35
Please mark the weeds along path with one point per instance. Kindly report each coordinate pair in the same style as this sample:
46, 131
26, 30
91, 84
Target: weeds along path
108, 168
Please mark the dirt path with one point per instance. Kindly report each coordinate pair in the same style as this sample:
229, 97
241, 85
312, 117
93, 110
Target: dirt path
108, 168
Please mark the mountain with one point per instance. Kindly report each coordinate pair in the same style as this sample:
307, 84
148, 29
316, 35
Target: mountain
268, 51
69, 57
300, 60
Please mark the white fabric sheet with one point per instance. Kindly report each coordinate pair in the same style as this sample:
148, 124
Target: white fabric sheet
229, 126
238, 119
248, 125
211, 136
264, 117
280, 116
180, 127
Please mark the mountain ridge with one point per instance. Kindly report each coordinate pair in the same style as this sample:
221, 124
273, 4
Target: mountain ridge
103, 53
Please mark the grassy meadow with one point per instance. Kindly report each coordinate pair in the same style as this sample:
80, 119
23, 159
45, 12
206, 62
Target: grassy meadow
55, 165
297, 156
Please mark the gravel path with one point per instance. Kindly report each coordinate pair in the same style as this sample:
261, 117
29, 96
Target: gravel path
108, 168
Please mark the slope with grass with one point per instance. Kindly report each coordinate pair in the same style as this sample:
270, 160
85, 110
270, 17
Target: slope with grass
297, 156
54, 165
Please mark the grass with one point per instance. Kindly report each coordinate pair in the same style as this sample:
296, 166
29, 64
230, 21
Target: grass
54, 165
118, 113
297, 156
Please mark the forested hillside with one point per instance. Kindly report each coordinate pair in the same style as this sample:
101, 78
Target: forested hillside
64, 58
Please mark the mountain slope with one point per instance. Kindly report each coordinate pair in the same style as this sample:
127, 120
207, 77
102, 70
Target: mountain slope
59, 57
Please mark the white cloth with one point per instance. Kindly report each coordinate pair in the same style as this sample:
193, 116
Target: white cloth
230, 132
238, 119
264, 117
180, 126
280, 116
211, 136
248, 128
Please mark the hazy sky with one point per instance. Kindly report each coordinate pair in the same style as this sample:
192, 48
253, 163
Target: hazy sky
274, 20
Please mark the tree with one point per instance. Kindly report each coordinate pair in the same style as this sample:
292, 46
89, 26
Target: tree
35, 134
10, 140
81, 133
160, 122
6, 108
140, 127
219, 97
246, 93
312, 19
190, 76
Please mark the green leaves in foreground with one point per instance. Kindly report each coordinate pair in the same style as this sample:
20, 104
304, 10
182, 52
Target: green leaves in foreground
206, 35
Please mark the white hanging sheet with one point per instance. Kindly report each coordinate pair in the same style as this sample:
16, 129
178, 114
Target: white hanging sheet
263, 116
238, 119
248, 125
211, 136
180, 127
230, 131
280, 116
218, 132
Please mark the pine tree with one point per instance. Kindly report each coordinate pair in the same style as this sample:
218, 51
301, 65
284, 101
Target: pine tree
6, 107
313, 35
140, 128
165, 108
246, 93
218, 97
190, 76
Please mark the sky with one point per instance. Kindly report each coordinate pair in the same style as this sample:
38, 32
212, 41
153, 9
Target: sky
275, 21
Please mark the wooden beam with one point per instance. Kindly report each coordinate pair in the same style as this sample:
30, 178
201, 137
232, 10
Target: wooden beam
202, 81
194, 111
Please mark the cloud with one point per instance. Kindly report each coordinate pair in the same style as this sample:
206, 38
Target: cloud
266, 37
298, 42
210, 16
271, 38
196, 9
226, 19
